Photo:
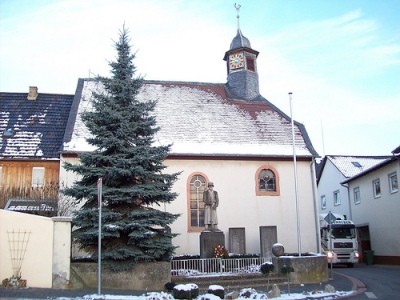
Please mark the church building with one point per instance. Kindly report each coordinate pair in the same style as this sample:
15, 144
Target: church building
229, 134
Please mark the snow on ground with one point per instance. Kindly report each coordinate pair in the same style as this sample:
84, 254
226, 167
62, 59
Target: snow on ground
254, 295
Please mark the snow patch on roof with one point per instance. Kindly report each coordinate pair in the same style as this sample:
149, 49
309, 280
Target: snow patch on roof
200, 122
35, 128
347, 164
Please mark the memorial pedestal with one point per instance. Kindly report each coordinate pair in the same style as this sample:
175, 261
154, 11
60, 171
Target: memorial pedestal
208, 241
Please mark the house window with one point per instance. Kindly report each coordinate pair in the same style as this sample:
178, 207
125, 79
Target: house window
197, 185
250, 64
336, 198
356, 164
267, 181
323, 202
37, 176
393, 183
376, 184
357, 196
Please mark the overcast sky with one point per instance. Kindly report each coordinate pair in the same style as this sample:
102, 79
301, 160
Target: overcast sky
340, 59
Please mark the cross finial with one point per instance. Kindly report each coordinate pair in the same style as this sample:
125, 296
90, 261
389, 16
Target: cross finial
237, 6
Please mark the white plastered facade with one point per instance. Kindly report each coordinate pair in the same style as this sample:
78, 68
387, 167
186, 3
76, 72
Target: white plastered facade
240, 206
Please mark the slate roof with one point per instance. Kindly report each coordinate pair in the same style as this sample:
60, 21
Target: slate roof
240, 41
350, 165
37, 126
199, 119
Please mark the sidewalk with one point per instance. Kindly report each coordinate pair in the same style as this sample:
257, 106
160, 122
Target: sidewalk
340, 282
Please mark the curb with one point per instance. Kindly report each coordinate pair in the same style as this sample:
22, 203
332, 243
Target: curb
358, 287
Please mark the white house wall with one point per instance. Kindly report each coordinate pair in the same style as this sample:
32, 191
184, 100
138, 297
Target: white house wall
380, 214
240, 207
328, 184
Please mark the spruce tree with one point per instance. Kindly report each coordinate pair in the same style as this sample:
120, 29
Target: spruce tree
131, 168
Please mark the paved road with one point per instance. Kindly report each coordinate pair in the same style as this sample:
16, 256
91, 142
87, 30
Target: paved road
381, 282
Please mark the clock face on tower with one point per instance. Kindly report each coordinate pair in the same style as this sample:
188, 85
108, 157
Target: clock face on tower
236, 61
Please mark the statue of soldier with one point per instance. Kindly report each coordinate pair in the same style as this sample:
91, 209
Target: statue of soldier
211, 200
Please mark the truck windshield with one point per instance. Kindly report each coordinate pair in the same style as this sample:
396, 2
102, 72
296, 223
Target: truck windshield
342, 233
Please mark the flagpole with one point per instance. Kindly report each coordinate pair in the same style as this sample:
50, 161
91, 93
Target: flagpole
295, 179
99, 196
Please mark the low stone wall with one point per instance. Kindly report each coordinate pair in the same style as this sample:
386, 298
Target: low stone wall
150, 276
307, 269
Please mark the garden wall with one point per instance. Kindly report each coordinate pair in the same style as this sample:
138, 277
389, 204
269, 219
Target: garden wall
144, 277
41, 246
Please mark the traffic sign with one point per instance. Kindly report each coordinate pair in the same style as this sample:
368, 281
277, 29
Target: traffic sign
330, 218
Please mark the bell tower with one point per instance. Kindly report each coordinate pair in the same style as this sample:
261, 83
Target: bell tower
241, 62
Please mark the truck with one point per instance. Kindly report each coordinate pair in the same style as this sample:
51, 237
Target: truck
339, 240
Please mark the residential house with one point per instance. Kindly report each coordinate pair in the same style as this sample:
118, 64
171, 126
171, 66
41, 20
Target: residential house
231, 135
331, 171
32, 127
375, 204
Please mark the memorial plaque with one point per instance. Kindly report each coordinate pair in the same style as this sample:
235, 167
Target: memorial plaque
268, 237
237, 240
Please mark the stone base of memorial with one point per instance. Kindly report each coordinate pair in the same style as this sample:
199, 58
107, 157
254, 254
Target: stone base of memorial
209, 239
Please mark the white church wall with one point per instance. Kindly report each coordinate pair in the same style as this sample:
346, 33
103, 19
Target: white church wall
239, 205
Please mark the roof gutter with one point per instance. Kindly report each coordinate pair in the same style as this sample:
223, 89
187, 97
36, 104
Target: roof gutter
214, 156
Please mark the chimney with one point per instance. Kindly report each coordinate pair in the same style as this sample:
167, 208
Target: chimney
33, 93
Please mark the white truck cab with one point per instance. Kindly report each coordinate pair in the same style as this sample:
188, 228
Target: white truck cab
339, 239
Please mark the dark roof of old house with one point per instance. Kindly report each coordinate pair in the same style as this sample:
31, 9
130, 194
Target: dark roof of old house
33, 129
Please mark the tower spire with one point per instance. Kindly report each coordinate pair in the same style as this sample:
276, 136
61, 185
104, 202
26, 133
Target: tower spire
237, 6
241, 62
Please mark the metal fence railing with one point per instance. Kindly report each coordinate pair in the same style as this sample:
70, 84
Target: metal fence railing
188, 267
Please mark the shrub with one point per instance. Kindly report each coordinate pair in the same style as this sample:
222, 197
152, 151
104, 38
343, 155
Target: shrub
287, 269
267, 267
217, 290
186, 291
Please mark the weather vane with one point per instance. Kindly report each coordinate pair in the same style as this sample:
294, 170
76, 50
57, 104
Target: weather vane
237, 6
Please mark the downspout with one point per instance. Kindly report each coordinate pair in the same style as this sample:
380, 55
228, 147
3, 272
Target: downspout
346, 185
397, 157
315, 198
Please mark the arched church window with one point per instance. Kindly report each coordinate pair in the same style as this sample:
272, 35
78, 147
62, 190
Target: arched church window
197, 185
267, 181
